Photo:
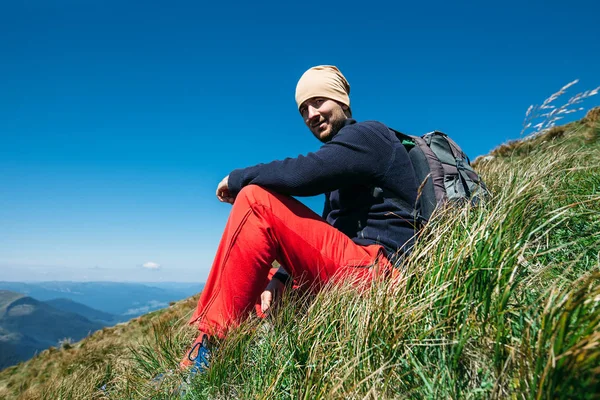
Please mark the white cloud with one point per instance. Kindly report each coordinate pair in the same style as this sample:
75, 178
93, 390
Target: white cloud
151, 265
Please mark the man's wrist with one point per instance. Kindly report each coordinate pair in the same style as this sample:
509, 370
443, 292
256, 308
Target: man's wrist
234, 181
282, 277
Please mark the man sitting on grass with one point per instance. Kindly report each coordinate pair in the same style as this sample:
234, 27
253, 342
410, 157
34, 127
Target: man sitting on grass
360, 235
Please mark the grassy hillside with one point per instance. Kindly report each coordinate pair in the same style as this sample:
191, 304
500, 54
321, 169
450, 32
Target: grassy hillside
498, 301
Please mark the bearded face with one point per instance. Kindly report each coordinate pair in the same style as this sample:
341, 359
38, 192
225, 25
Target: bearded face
324, 117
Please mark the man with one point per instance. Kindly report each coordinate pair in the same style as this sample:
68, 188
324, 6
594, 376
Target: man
358, 164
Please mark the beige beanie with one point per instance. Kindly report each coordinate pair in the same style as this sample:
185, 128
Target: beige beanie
323, 81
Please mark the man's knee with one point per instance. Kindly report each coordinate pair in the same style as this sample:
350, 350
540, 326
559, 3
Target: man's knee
253, 191
254, 194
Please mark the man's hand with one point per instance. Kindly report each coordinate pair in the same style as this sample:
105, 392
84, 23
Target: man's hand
223, 193
272, 293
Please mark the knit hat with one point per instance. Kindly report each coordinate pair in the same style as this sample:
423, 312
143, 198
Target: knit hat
323, 81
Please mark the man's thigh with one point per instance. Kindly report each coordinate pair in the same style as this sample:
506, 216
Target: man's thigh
306, 245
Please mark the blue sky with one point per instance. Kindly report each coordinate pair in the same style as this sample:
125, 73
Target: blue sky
119, 118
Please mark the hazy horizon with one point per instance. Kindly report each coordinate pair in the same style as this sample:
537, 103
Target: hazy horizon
34, 274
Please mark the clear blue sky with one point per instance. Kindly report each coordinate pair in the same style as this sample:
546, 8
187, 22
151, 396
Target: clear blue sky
119, 118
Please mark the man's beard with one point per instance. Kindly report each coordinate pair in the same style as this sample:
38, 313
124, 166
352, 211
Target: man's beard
336, 126
337, 123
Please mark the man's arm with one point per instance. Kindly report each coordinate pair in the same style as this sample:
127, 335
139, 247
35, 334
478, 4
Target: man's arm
359, 153
282, 275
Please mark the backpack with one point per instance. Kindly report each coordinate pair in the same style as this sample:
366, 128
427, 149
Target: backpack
444, 172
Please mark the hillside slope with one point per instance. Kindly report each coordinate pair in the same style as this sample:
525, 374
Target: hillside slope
498, 301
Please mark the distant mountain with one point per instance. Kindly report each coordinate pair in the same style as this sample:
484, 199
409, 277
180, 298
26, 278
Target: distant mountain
189, 289
28, 325
6, 299
90, 313
35, 316
122, 299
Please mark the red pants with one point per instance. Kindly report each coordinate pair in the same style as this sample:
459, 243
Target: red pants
264, 226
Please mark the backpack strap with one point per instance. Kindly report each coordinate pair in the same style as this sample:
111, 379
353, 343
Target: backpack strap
436, 173
455, 160
454, 148
466, 172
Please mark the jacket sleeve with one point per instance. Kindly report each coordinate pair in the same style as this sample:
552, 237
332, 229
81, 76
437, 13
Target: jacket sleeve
358, 154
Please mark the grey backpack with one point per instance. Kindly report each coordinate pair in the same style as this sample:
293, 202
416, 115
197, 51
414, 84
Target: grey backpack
444, 172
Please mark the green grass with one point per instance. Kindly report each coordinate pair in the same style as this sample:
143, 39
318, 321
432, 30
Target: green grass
497, 301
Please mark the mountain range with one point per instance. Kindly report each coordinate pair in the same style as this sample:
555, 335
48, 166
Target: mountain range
28, 325
36, 316
117, 298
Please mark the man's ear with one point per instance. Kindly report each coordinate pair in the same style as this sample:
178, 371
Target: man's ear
347, 110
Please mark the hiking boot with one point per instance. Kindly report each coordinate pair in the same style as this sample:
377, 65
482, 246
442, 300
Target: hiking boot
198, 358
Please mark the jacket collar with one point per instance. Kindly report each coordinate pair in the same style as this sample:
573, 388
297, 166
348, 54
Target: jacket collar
348, 121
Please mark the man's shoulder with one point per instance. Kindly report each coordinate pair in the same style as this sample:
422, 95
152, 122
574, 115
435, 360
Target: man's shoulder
370, 128
373, 125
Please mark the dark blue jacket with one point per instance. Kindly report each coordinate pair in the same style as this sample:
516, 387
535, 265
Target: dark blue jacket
359, 158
